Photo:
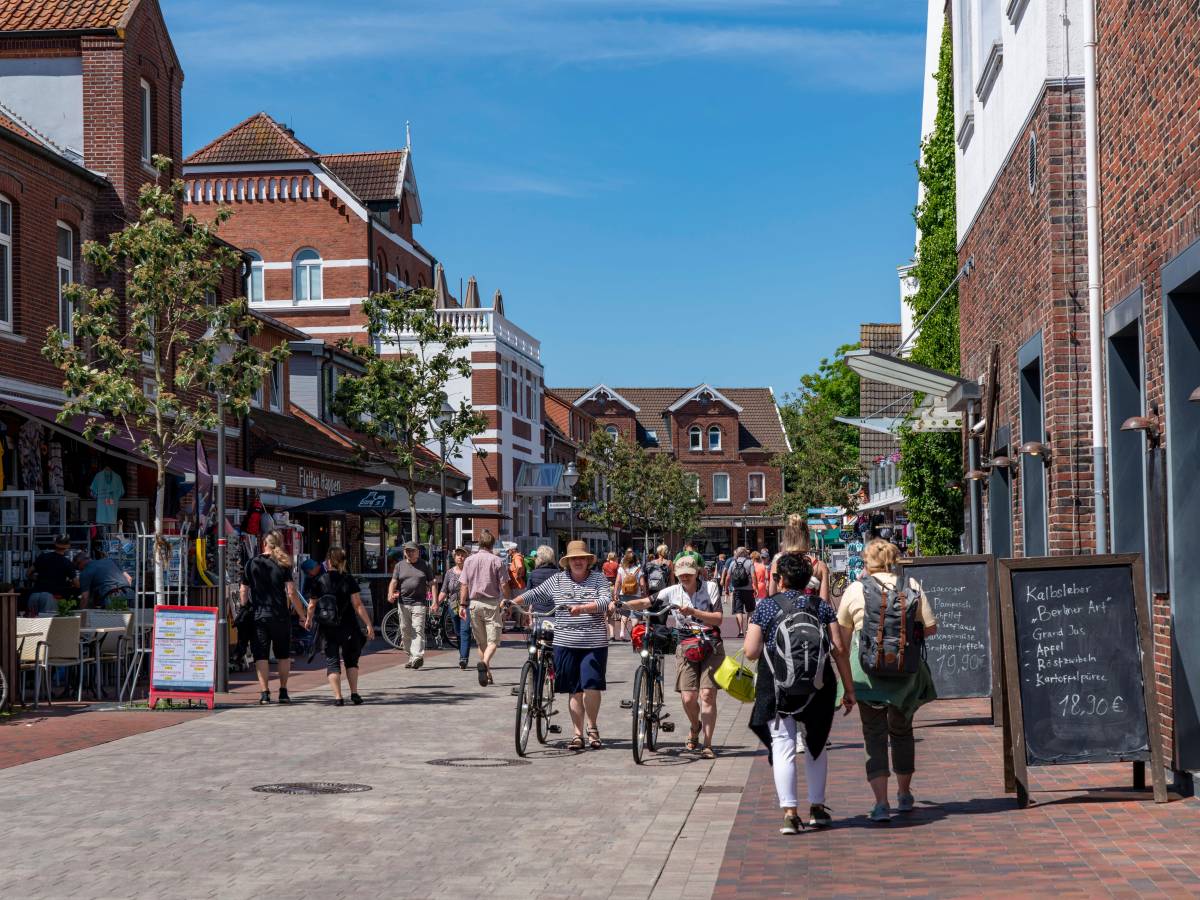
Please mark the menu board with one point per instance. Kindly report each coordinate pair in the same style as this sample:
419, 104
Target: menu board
183, 661
960, 652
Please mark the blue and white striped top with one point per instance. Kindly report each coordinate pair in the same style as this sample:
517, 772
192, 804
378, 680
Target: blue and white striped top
583, 632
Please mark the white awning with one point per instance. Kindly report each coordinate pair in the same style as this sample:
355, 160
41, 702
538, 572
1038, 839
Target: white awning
886, 499
237, 481
882, 426
887, 369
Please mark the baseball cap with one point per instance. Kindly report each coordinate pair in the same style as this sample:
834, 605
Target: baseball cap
685, 565
411, 545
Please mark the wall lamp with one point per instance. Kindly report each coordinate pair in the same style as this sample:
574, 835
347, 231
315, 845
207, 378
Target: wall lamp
1145, 425
1195, 397
1036, 448
1001, 462
976, 475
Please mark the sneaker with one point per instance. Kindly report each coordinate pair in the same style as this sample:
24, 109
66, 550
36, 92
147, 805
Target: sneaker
356, 699
418, 662
818, 816
791, 825
283, 696
482, 671
264, 698
409, 664
338, 701
905, 803
462, 664
881, 812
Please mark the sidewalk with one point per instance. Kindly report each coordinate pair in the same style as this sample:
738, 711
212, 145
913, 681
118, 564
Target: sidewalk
1089, 835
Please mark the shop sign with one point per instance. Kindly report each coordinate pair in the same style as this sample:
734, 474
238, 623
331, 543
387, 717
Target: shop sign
318, 481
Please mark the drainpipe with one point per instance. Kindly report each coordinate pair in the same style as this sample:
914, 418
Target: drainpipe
1095, 303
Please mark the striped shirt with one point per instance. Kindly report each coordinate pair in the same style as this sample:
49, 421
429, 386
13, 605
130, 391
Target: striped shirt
585, 631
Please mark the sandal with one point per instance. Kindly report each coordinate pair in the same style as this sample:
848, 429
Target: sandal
576, 743
707, 753
693, 742
594, 739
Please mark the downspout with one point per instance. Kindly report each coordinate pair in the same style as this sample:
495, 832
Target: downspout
1095, 302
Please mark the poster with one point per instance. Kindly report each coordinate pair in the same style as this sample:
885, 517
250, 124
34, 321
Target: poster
184, 656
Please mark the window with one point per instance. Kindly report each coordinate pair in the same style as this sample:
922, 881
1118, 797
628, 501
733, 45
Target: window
331, 386
695, 482
277, 387
695, 439
6, 233
720, 488
254, 278
504, 392
147, 98
66, 275
652, 437
256, 398
306, 272
757, 486
714, 438
612, 431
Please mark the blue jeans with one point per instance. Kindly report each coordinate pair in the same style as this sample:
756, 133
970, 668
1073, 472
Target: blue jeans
464, 638
44, 602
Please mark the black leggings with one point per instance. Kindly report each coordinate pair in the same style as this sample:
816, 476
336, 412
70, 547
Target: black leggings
343, 647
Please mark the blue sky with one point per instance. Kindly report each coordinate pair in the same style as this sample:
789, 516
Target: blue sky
666, 191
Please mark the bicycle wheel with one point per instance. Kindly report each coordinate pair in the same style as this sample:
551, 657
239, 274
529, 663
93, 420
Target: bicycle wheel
656, 705
3, 689
641, 714
525, 706
545, 704
390, 629
433, 631
449, 628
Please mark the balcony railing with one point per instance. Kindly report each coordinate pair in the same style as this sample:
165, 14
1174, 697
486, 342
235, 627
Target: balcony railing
484, 322
883, 482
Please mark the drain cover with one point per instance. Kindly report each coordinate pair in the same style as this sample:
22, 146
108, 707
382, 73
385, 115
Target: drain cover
477, 762
718, 789
311, 787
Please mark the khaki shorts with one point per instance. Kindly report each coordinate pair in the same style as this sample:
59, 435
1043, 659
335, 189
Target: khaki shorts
487, 623
690, 676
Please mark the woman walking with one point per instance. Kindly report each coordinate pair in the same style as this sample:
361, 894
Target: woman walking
805, 729
630, 585
886, 704
268, 587
761, 577
796, 540
449, 594
336, 589
581, 599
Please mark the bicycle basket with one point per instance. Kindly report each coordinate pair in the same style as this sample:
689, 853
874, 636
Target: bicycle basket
545, 634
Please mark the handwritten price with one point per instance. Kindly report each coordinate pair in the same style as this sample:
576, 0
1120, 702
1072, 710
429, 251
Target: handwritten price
952, 663
1090, 705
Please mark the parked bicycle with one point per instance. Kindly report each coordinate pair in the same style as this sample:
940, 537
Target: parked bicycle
652, 641
441, 628
535, 690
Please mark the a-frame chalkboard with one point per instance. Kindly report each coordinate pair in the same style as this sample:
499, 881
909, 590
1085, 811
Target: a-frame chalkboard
1078, 666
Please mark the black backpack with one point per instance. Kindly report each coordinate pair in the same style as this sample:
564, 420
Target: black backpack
329, 610
800, 658
892, 640
656, 577
739, 573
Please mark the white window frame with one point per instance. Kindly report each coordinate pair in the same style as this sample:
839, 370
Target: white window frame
257, 270
714, 429
256, 398
65, 266
276, 398
6, 295
147, 104
762, 477
303, 273
695, 439
613, 432
715, 497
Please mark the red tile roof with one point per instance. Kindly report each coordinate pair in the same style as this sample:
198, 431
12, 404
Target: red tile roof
370, 176
257, 139
64, 15
18, 128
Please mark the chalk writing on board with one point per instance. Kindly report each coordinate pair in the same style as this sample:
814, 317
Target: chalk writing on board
959, 653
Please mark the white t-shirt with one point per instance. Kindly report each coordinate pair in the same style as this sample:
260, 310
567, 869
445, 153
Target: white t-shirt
706, 599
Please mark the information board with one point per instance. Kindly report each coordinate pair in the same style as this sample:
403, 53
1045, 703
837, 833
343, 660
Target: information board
1077, 660
183, 655
961, 591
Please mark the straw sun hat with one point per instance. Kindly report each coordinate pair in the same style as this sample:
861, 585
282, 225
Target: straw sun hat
576, 550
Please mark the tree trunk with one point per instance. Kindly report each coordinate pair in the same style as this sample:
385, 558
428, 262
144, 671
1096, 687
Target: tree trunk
160, 545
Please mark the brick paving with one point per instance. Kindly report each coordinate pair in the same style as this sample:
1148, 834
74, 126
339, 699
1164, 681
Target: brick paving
1089, 834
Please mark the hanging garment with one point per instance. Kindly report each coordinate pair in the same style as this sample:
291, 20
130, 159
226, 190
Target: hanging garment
107, 488
29, 449
54, 469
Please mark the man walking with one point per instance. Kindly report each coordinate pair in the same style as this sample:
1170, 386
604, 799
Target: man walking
485, 581
410, 586
739, 581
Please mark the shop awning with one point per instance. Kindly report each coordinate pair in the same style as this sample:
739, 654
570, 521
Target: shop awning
386, 499
901, 373
119, 445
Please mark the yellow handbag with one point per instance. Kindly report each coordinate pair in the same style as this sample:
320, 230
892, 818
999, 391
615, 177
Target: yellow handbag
735, 678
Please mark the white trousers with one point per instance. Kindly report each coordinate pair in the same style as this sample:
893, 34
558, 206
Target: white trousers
412, 627
786, 741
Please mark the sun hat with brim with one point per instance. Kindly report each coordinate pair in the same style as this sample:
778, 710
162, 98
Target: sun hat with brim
576, 550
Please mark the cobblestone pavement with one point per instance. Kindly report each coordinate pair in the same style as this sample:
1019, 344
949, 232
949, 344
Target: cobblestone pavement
1089, 833
171, 814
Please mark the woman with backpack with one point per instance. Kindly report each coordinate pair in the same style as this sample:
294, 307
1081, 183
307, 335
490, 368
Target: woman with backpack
658, 570
630, 585
270, 593
738, 581
890, 686
796, 540
795, 697
336, 603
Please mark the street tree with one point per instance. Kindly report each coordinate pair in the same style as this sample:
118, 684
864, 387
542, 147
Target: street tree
146, 357
399, 399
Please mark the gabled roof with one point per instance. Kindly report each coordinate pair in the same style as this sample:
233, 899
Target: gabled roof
65, 15
700, 391
372, 176
256, 139
612, 394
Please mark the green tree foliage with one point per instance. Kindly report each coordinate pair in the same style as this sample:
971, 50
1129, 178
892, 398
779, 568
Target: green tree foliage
822, 467
398, 400
147, 362
932, 463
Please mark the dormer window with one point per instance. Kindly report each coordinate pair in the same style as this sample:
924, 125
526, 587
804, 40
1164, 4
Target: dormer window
695, 439
714, 438
602, 397
705, 397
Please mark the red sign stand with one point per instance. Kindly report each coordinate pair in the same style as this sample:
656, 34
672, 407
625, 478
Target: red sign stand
183, 654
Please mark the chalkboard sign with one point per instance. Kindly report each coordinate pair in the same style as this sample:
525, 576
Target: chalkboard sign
1077, 661
960, 653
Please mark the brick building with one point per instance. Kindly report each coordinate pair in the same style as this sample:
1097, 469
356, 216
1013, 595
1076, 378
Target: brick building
567, 429
1022, 219
727, 437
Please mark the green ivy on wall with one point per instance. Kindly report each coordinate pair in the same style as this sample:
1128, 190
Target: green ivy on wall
931, 468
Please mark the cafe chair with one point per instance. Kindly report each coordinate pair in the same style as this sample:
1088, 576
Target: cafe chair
61, 648
112, 648
31, 635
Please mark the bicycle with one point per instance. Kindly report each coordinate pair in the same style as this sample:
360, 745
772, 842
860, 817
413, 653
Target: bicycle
441, 628
653, 643
535, 693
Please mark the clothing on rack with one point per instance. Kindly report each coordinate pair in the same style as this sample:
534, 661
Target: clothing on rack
29, 449
108, 489
54, 469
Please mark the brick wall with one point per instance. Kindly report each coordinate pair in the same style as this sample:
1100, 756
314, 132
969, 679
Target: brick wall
876, 398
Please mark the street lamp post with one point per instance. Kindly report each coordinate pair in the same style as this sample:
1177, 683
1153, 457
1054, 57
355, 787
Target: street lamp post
746, 525
447, 413
222, 659
569, 479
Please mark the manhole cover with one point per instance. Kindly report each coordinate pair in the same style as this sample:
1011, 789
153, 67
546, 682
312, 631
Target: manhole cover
718, 789
477, 762
311, 787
